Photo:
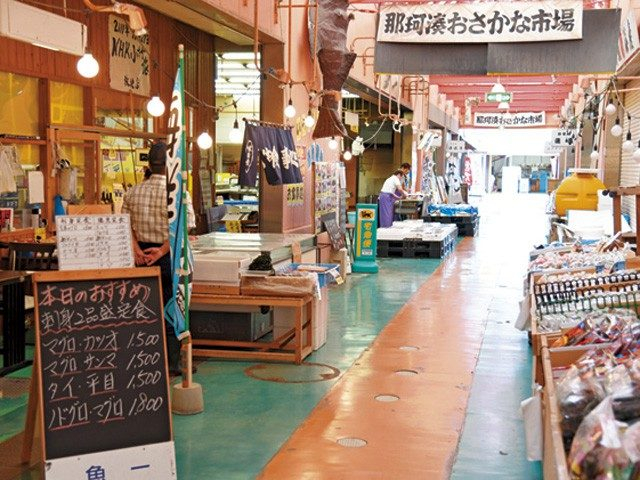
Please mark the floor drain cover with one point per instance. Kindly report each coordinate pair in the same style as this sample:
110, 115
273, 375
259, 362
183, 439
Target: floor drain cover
286, 373
387, 398
409, 348
352, 442
406, 373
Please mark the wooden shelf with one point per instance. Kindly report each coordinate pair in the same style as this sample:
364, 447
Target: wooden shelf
21, 141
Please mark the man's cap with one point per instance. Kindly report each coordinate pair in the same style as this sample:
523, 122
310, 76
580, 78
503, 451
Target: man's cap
158, 154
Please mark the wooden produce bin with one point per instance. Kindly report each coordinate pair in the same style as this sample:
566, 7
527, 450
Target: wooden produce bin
554, 462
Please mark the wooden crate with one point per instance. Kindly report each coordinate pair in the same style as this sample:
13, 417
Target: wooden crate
554, 462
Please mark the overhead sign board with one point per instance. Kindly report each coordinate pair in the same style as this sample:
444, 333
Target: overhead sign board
629, 41
491, 22
498, 97
520, 120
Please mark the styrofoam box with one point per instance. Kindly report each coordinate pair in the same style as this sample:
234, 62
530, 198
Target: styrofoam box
220, 267
284, 320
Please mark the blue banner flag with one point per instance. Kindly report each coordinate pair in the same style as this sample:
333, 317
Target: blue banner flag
176, 311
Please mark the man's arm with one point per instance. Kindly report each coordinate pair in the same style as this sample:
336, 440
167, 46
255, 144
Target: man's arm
138, 254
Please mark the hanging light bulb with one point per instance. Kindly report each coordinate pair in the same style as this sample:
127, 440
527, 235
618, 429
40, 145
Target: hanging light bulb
290, 110
616, 130
347, 155
595, 155
627, 145
88, 66
155, 106
611, 108
333, 144
204, 141
235, 134
309, 121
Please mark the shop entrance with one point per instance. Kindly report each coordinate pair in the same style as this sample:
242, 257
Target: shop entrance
237, 89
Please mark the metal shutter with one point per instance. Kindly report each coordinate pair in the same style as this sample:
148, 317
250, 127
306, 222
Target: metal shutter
629, 169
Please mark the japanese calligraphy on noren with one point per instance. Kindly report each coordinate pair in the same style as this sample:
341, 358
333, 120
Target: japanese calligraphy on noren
101, 359
481, 22
497, 120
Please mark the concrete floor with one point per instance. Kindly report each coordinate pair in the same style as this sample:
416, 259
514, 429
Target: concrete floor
472, 372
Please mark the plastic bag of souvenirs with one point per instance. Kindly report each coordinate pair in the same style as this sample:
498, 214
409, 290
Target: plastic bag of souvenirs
577, 396
597, 452
599, 326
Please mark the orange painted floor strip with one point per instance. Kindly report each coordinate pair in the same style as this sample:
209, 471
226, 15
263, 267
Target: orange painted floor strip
417, 436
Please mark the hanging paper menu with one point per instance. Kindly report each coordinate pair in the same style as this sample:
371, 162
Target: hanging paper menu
94, 241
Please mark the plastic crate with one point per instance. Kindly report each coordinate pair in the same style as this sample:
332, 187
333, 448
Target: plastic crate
467, 224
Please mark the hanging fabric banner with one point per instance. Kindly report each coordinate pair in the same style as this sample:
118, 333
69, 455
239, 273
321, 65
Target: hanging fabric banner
491, 22
275, 148
267, 141
249, 158
290, 165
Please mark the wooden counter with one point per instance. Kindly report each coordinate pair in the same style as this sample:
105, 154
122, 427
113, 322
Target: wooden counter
276, 350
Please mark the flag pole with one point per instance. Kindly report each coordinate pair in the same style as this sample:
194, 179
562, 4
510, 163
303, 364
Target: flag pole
187, 374
187, 398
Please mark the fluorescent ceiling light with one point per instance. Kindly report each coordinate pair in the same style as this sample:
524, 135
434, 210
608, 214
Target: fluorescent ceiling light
347, 94
238, 73
241, 80
224, 65
238, 56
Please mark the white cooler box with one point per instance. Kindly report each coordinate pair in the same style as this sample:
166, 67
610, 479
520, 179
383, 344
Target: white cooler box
220, 267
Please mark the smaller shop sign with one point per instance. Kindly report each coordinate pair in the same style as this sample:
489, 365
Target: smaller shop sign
366, 239
295, 194
520, 120
498, 97
628, 40
564, 137
456, 146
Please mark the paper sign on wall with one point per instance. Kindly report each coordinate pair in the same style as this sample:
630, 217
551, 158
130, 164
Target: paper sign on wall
128, 58
93, 242
36, 187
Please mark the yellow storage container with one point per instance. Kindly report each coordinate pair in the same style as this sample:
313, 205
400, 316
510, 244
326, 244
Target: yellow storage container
579, 191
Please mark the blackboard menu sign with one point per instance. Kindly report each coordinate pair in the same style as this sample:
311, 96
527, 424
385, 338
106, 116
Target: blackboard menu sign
335, 235
101, 360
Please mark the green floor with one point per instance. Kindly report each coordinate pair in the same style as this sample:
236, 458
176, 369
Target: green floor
247, 420
492, 444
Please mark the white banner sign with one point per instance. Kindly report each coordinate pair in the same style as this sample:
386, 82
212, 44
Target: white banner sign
628, 41
521, 120
564, 138
552, 149
491, 22
128, 58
